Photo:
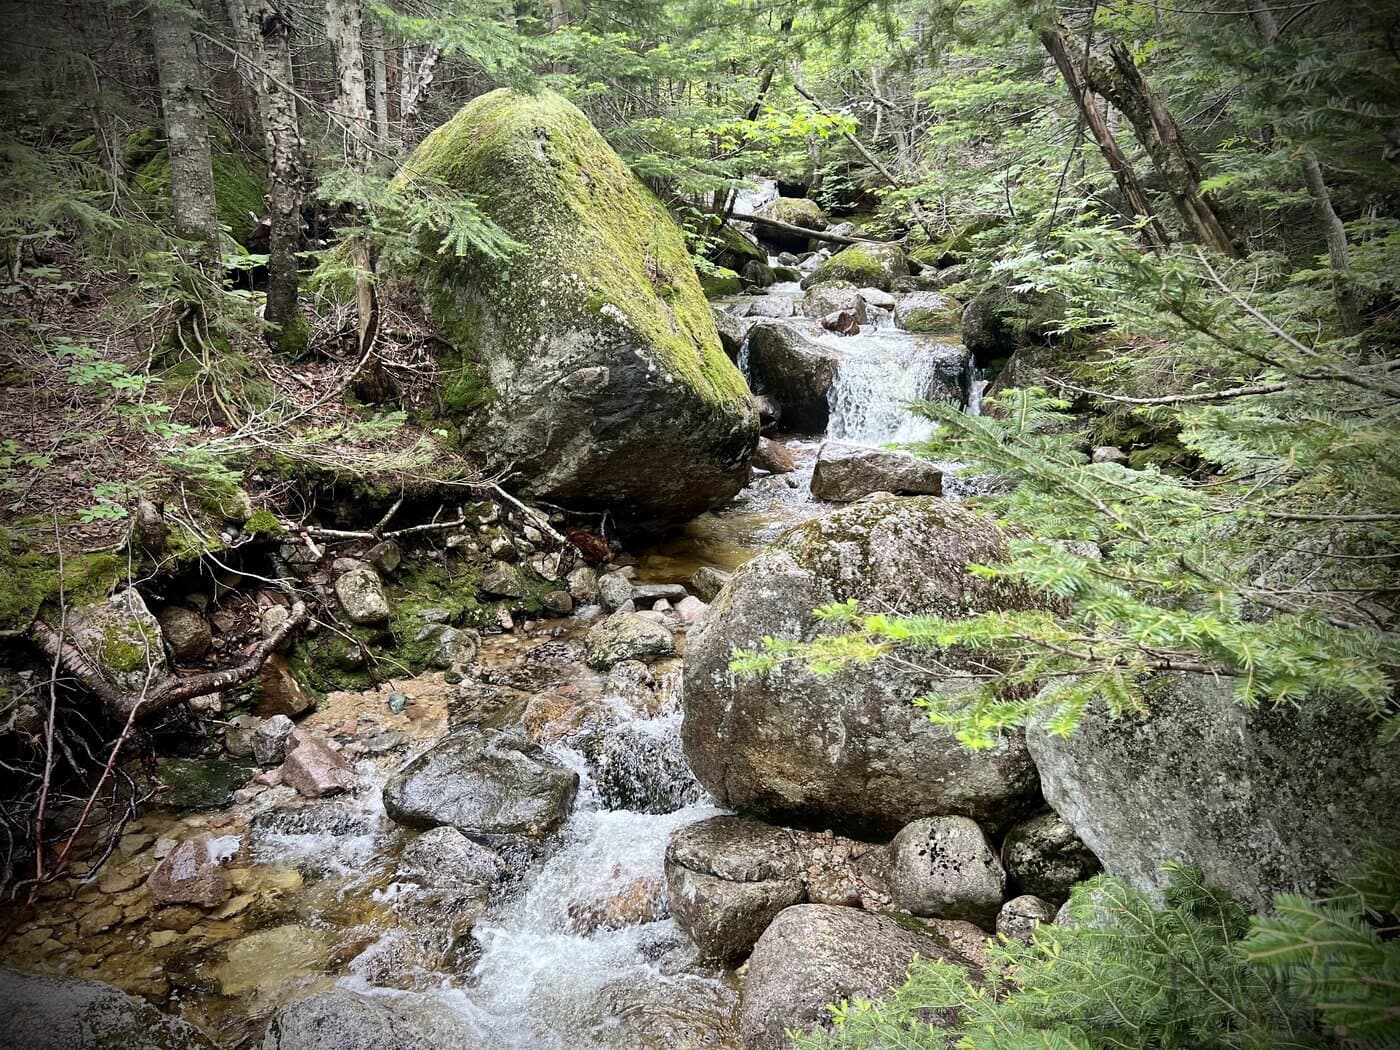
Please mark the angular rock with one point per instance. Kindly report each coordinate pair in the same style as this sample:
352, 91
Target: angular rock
795, 372
943, 867
845, 473
837, 297
444, 858
557, 603
813, 955
842, 322
727, 878
1020, 916
1044, 857
386, 557
44, 1012
583, 584
239, 735
774, 457
644, 594
279, 692
271, 739
314, 768
121, 639
927, 312
186, 632
733, 330
452, 646
849, 750
503, 580
757, 274
707, 581
863, 266
881, 300
192, 872
626, 636
485, 783
690, 609
615, 590
362, 597
589, 367
1276, 799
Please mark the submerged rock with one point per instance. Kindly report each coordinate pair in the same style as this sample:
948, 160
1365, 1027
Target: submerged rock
943, 867
1281, 798
814, 955
626, 636
44, 1012
192, 872
845, 473
485, 783
727, 878
849, 750
586, 362
794, 371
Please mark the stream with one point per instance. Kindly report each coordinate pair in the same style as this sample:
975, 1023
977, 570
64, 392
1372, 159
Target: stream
575, 949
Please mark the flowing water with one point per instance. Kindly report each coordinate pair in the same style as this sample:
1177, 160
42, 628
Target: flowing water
576, 950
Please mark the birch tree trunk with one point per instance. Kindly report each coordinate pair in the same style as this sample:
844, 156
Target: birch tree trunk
186, 130
379, 60
343, 30
264, 35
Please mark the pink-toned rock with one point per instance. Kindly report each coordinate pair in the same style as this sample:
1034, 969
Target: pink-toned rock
192, 872
313, 768
774, 457
690, 609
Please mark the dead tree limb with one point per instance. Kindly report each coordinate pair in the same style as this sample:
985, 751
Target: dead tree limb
787, 227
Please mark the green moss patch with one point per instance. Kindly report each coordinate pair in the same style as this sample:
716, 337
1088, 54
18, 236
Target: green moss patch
864, 265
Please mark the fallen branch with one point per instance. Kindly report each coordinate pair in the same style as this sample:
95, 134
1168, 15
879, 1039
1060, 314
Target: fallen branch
787, 227
171, 690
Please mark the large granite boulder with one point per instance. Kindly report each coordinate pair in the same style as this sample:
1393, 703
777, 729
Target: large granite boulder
849, 750
486, 784
868, 265
813, 955
44, 1012
1279, 798
794, 211
794, 371
727, 878
585, 362
845, 473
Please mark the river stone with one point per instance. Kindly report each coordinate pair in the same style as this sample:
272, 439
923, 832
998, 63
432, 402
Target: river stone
626, 636
794, 211
45, 1012
775, 306
121, 639
583, 584
813, 955
340, 1019
615, 590
270, 740
862, 266
794, 371
849, 750
927, 312
1281, 798
837, 297
1020, 916
314, 768
445, 859
192, 872
727, 878
588, 367
986, 327
690, 609
943, 867
485, 783
452, 646
774, 457
707, 581
186, 632
361, 595
845, 473
1044, 857
881, 300
756, 274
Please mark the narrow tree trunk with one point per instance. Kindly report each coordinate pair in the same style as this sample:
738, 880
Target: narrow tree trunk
1119, 80
417, 78
343, 30
186, 130
380, 63
1153, 231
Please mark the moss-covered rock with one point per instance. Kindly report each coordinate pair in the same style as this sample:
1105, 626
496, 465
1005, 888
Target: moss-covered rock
238, 189
720, 281
732, 250
928, 312
795, 211
593, 371
863, 265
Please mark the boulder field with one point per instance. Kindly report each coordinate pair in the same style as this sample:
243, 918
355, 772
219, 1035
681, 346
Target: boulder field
584, 361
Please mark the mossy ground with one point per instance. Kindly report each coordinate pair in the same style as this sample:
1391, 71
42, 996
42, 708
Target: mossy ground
29, 580
238, 189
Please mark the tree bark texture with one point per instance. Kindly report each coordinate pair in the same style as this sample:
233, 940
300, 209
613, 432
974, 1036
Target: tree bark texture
343, 30
186, 129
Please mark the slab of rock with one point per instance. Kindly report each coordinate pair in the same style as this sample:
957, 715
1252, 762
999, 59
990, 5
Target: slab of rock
839, 297
794, 371
626, 636
45, 1012
314, 768
726, 880
1020, 916
943, 867
707, 581
591, 368
1044, 857
186, 632
486, 784
1281, 798
877, 298
774, 457
340, 1019
849, 751
928, 312
813, 955
270, 740
845, 473
646, 594
193, 873
362, 597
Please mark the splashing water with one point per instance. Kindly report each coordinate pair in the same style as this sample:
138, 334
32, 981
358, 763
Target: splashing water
882, 372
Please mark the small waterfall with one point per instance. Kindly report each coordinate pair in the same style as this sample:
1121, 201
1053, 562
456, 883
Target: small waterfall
976, 386
879, 376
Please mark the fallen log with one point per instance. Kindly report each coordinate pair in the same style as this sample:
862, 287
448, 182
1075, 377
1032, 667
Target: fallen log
787, 227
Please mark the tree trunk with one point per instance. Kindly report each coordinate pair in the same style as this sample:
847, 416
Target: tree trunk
379, 51
1153, 232
1119, 80
265, 37
186, 130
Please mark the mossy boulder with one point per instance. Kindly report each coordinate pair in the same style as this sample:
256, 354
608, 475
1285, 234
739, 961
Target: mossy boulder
863, 265
585, 364
795, 211
238, 189
720, 281
928, 312
733, 250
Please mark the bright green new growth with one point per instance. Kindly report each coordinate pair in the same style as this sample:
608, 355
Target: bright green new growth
1130, 973
584, 228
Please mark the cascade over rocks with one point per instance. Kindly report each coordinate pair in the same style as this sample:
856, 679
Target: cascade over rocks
794, 371
814, 955
586, 363
1276, 799
486, 784
849, 750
